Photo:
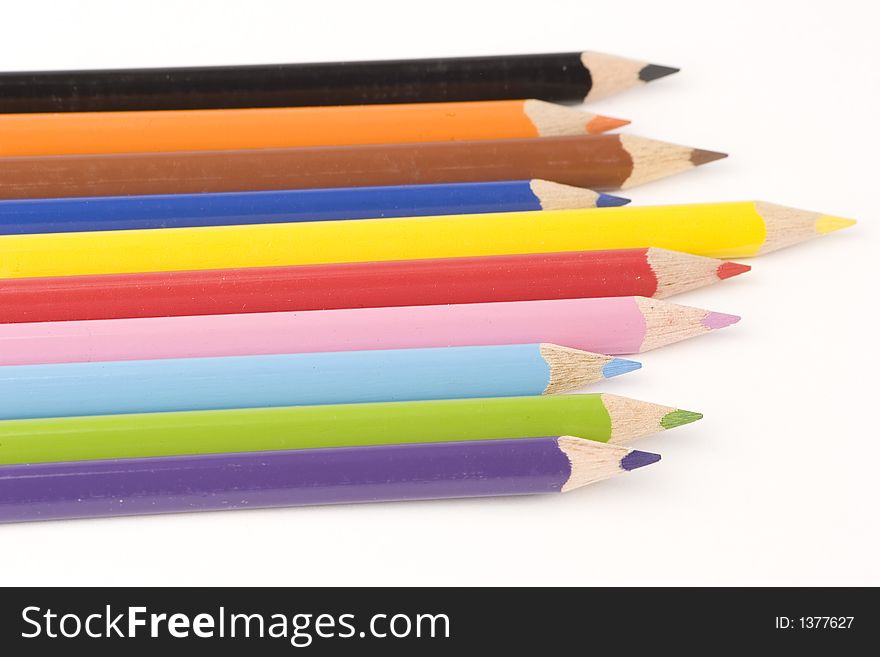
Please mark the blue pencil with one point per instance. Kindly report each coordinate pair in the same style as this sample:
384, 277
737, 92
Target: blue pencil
188, 384
63, 215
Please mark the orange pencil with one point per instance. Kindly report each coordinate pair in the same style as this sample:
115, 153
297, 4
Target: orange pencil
72, 133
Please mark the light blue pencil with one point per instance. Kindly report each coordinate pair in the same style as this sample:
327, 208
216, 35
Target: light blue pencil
189, 384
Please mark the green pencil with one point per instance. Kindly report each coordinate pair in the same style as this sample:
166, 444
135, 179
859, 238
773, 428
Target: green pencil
600, 417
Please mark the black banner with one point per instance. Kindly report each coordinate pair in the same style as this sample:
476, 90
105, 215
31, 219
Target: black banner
432, 621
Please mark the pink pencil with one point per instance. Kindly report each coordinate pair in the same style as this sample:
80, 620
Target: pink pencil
613, 325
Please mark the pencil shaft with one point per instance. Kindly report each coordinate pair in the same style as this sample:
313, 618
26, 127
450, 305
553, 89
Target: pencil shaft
32, 391
559, 76
70, 133
577, 274
599, 162
285, 478
715, 229
61, 215
301, 427
613, 325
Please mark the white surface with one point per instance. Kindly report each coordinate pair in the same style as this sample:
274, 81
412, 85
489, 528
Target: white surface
777, 485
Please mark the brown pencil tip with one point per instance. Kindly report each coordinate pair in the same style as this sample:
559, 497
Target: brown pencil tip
601, 123
699, 156
731, 269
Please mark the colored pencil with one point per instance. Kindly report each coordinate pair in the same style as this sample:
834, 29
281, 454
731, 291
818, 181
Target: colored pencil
600, 162
722, 230
191, 384
215, 482
577, 274
599, 417
613, 325
75, 133
557, 76
63, 215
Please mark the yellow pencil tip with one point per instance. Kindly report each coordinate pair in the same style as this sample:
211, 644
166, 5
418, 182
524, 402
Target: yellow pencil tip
828, 223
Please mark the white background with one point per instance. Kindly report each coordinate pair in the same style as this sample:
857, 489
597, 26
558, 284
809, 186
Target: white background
777, 485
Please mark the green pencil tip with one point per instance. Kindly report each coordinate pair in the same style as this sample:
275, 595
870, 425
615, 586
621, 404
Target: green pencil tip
679, 417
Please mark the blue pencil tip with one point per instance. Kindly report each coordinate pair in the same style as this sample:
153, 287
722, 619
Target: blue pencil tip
618, 366
638, 459
610, 201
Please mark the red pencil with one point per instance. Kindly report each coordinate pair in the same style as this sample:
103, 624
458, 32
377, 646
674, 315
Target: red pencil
579, 274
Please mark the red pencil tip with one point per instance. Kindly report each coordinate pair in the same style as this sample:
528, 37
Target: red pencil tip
730, 269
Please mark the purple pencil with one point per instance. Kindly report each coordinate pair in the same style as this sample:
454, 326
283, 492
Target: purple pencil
527, 466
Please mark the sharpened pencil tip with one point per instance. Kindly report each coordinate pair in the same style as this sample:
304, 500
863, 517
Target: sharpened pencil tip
828, 223
731, 269
599, 124
638, 459
713, 320
679, 417
611, 201
652, 72
700, 156
618, 366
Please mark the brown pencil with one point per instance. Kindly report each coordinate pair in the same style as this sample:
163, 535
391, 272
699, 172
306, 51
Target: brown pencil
600, 162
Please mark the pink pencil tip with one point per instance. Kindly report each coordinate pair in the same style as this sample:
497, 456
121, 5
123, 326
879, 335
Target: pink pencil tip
713, 321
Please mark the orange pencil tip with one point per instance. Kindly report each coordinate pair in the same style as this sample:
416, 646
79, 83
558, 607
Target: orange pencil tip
601, 123
731, 269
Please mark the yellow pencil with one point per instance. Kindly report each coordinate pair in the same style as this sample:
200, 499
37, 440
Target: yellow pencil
721, 230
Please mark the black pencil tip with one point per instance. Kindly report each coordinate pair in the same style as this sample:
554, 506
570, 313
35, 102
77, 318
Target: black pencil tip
655, 71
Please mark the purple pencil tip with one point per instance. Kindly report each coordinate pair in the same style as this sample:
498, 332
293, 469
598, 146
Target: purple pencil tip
638, 459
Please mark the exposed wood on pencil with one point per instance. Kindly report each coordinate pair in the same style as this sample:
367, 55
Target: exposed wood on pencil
668, 323
787, 226
631, 419
592, 462
571, 76
612, 74
571, 369
554, 196
678, 272
551, 120
599, 162
652, 160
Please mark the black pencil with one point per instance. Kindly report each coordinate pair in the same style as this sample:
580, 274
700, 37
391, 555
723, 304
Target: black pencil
556, 77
